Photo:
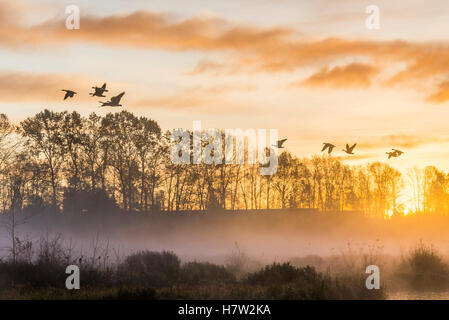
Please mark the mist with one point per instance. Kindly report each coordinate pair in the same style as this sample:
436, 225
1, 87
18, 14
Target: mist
264, 236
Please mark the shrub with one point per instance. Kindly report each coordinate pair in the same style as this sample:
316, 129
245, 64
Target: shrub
240, 264
197, 273
151, 268
33, 275
284, 281
281, 274
424, 269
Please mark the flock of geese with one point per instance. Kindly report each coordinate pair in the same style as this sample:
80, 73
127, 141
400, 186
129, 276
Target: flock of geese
394, 153
113, 102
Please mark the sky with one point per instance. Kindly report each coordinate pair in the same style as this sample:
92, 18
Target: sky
311, 69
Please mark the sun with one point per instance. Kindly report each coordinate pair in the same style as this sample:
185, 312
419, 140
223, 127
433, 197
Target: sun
407, 200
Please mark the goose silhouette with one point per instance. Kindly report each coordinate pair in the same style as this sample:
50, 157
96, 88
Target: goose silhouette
395, 153
391, 154
114, 102
99, 91
328, 146
349, 149
68, 93
279, 144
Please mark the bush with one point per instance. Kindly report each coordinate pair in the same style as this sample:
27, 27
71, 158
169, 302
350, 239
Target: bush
284, 281
424, 269
281, 274
197, 273
240, 264
151, 268
151, 275
32, 275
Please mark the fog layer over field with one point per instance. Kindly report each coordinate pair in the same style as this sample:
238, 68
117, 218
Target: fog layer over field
266, 237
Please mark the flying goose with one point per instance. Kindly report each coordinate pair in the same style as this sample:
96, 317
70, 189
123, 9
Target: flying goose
349, 149
391, 154
68, 93
114, 102
99, 91
395, 153
279, 144
328, 146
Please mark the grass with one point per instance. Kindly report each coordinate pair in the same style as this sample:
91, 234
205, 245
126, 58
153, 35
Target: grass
161, 275
150, 269
424, 269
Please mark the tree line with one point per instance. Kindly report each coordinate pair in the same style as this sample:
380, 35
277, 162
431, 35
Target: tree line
61, 160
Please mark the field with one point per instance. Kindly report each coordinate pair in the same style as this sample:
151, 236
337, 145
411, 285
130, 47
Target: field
226, 256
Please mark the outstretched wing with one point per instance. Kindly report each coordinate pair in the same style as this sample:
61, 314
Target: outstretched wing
116, 99
352, 147
104, 86
331, 147
281, 142
324, 147
67, 93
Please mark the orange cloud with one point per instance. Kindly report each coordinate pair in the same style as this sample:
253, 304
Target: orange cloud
442, 95
247, 48
203, 99
205, 66
400, 141
45, 87
24, 86
352, 75
141, 29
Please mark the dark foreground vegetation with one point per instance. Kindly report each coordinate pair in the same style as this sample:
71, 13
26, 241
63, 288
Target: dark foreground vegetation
423, 268
161, 275
38, 272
